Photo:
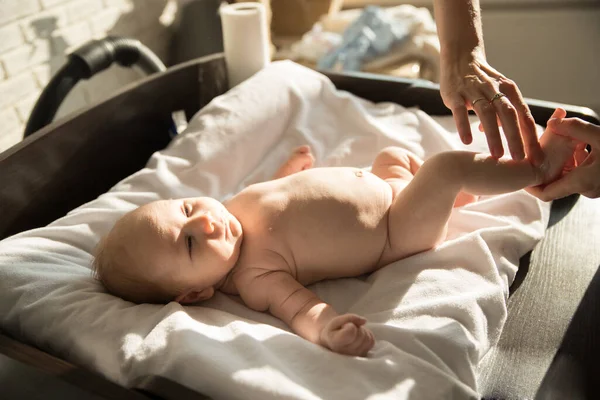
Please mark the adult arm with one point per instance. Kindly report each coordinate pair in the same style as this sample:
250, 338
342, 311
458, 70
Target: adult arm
467, 82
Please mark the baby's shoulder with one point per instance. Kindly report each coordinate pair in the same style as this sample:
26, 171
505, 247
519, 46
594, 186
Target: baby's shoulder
253, 278
255, 262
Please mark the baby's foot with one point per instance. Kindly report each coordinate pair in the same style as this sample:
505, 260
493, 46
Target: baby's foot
559, 154
300, 160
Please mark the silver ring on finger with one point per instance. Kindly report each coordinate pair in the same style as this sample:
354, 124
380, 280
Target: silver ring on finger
477, 100
497, 96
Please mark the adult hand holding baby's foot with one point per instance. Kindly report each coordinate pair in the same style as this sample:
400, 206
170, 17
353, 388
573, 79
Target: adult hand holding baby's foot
346, 334
563, 158
581, 175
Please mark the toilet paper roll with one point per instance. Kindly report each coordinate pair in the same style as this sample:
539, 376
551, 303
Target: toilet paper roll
245, 40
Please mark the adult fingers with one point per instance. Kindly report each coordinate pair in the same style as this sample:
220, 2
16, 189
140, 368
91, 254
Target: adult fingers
526, 124
508, 115
577, 129
481, 125
461, 118
537, 191
592, 194
487, 115
577, 181
485, 110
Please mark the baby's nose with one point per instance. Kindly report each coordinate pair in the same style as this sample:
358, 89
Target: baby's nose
203, 223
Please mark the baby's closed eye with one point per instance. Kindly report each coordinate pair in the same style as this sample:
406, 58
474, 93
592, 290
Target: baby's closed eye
189, 245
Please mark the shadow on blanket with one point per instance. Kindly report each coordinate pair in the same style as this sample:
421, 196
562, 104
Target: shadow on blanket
256, 371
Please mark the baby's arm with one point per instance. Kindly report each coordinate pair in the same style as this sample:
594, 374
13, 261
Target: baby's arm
307, 315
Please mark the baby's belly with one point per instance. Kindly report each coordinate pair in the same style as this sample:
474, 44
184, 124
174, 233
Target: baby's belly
340, 229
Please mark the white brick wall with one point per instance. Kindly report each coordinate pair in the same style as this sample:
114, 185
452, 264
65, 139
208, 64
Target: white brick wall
36, 36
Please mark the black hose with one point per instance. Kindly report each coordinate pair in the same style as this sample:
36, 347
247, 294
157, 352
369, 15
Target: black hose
85, 62
52, 96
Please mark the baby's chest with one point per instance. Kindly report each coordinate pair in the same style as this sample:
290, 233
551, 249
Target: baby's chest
336, 241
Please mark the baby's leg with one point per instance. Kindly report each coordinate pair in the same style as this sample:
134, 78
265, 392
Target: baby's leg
422, 203
300, 160
397, 167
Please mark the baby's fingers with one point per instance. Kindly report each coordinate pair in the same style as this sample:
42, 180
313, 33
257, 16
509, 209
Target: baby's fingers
340, 321
363, 342
347, 335
368, 343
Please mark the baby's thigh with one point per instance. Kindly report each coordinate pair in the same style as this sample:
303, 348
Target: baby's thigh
392, 163
417, 219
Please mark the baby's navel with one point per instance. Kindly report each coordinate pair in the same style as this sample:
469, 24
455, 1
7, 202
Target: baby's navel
358, 173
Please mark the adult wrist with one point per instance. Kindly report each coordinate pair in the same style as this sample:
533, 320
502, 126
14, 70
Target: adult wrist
460, 54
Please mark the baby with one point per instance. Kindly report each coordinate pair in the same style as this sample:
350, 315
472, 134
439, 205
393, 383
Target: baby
307, 224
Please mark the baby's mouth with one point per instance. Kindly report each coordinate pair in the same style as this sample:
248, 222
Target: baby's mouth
226, 226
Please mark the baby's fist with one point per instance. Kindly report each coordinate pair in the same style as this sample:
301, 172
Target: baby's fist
346, 334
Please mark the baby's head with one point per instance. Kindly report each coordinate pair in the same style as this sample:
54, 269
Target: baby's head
169, 250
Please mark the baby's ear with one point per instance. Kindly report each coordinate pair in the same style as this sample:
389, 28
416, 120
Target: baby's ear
194, 296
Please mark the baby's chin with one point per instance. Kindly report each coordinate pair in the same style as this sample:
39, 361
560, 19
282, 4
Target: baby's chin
235, 227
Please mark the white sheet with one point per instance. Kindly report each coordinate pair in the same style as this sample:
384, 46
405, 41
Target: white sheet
434, 315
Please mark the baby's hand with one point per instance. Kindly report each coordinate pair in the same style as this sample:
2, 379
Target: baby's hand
346, 334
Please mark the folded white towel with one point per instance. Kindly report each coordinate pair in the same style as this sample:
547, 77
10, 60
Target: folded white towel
434, 315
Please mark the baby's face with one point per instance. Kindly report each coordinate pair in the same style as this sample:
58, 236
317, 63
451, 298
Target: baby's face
191, 243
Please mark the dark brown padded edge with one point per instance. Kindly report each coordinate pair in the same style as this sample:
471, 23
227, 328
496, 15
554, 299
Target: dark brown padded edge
165, 388
74, 160
373, 87
48, 366
426, 95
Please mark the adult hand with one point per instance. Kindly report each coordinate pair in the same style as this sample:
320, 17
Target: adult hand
472, 84
585, 177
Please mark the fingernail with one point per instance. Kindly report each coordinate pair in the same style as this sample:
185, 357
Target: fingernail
554, 121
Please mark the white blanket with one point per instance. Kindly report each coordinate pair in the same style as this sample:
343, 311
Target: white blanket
434, 314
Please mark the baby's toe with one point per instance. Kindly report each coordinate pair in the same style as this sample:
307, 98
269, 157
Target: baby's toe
304, 149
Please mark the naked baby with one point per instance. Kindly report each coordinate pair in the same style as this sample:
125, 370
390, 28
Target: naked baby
271, 240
